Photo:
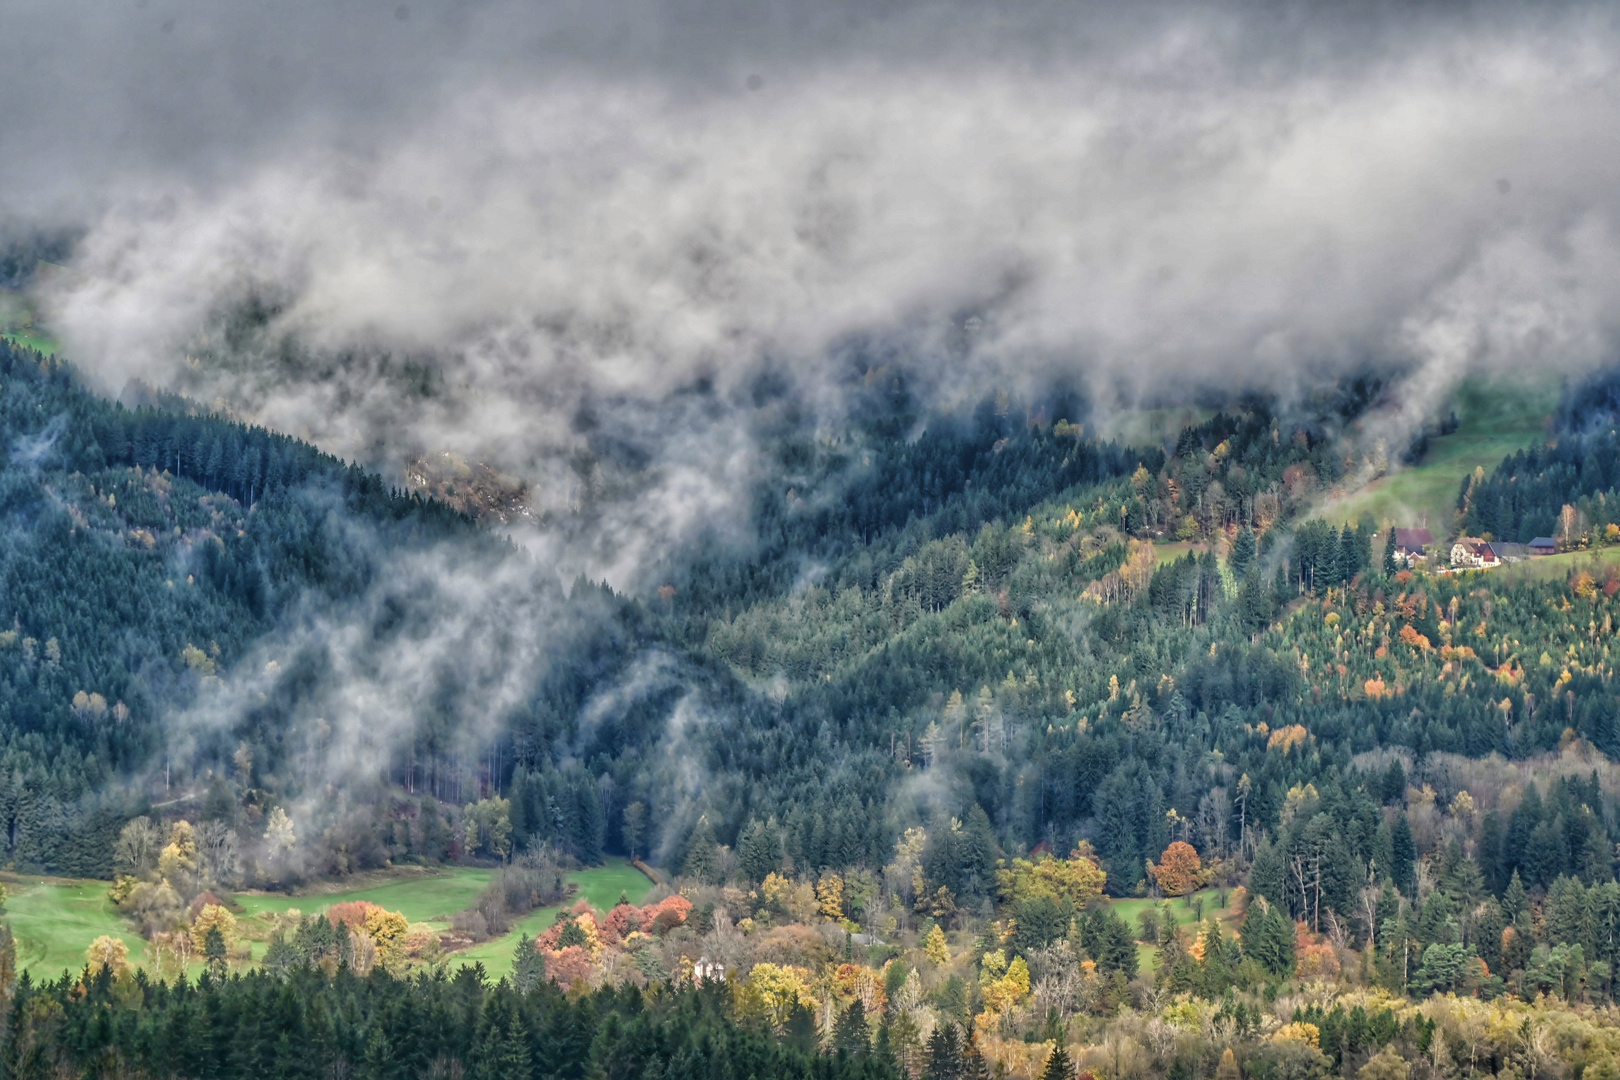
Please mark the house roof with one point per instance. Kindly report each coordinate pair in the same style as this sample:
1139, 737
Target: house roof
1413, 538
1543, 541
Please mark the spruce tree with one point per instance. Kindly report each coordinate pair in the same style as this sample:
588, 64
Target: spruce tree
702, 855
944, 1053
1242, 552
1058, 1065
214, 952
851, 1033
974, 1067
1403, 868
528, 965
1515, 901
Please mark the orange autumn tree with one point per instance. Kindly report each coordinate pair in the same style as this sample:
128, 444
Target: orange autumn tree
1177, 870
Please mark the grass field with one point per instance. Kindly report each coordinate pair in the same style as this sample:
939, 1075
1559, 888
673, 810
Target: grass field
19, 323
430, 897
32, 340
1182, 910
1168, 553
600, 885
1494, 420
55, 920
1557, 567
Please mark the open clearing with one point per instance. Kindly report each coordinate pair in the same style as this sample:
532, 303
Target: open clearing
1556, 567
56, 919
600, 885
31, 340
1183, 909
1494, 420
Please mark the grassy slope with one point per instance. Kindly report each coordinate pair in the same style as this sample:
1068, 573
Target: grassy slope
1168, 553
1182, 911
600, 885
430, 898
1149, 427
1556, 567
32, 340
55, 920
19, 323
1495, 419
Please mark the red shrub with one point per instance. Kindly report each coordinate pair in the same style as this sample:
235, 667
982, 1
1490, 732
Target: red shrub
567, 966
352, 913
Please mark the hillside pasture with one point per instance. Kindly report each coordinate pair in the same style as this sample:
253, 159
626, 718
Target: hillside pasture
1495, 419
1183, 910
601, 886
56, 919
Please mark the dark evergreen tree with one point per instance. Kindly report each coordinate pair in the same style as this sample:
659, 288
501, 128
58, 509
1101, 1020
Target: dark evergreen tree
1058, 1065
1403, 867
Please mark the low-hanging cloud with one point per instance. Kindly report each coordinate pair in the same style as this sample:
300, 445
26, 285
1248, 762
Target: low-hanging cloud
573, 243
588, 214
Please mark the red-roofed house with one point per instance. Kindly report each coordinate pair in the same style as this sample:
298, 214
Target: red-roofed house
1411, 545
1468, 551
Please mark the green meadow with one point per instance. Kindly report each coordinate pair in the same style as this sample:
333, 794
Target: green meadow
1495, 419
19, 324
601, 885
56, 919
1183, 910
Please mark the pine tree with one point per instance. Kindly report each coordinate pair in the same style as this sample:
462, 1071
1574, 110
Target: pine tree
702, 857
974, 1066
759, 850
1403, 867
1393, 786
1242, 551
214, 952
944, 1053
528, 966
1515, 901
1268, 938
1268, 876
850, 1033
1058, 1065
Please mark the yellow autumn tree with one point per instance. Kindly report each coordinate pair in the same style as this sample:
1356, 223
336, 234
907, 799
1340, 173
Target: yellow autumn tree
780, 987
209, 917
1001, 994
830, 895
177, 862
1077, 879
935, 945
107, 952
388, 930
1309, 1034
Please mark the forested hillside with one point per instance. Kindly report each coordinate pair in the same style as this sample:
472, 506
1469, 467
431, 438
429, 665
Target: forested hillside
145, 551
961, 688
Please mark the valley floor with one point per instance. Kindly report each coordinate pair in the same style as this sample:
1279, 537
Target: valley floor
55, 919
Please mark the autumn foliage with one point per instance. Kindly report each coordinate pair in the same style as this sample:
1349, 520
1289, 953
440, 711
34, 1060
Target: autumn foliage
1177, 871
